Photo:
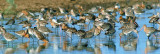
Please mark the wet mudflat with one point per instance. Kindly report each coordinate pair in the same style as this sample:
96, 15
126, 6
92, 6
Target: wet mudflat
83, 30
60, 43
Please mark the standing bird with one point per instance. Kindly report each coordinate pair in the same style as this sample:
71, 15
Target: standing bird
30, 30
53, 23
23, 33
117, 6
62, 10
149, 30
129, 12
130, 25
41, 22
39, 35
44, 30
28, 27
138, 11
11, 21
7, 36
127, 32
154, 19
72, 13
123, 20
26, 13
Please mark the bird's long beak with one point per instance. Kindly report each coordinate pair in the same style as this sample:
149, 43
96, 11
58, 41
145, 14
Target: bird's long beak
136, 23
32, 19
137, 35
141, 28
34, 25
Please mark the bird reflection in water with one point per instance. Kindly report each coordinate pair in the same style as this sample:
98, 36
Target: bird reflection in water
130, 43
97, 50
9, 51
23, 46
110, 44
67, 46
150, 46
39, 49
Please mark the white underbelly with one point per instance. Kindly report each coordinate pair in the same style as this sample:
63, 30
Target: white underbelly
8, 39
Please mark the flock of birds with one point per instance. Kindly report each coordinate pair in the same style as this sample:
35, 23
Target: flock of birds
89, 24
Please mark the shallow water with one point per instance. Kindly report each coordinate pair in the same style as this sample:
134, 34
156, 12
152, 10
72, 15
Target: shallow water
59, 44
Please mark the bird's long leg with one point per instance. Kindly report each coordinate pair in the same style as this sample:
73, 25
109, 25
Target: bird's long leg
59, 30
12, 28
71, 38
99, 37
12, 43
148, 37
8, 44
22, 39
29, 39
137, 35
154, 36
153, 24
32, 38
55, 30
80, 39
9, 26
59, 33
66, 36
120, 39
47, 35
88, 26
89, 42
1, 37
83, 27
38, 42
141, 29
109, 37
33, 44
